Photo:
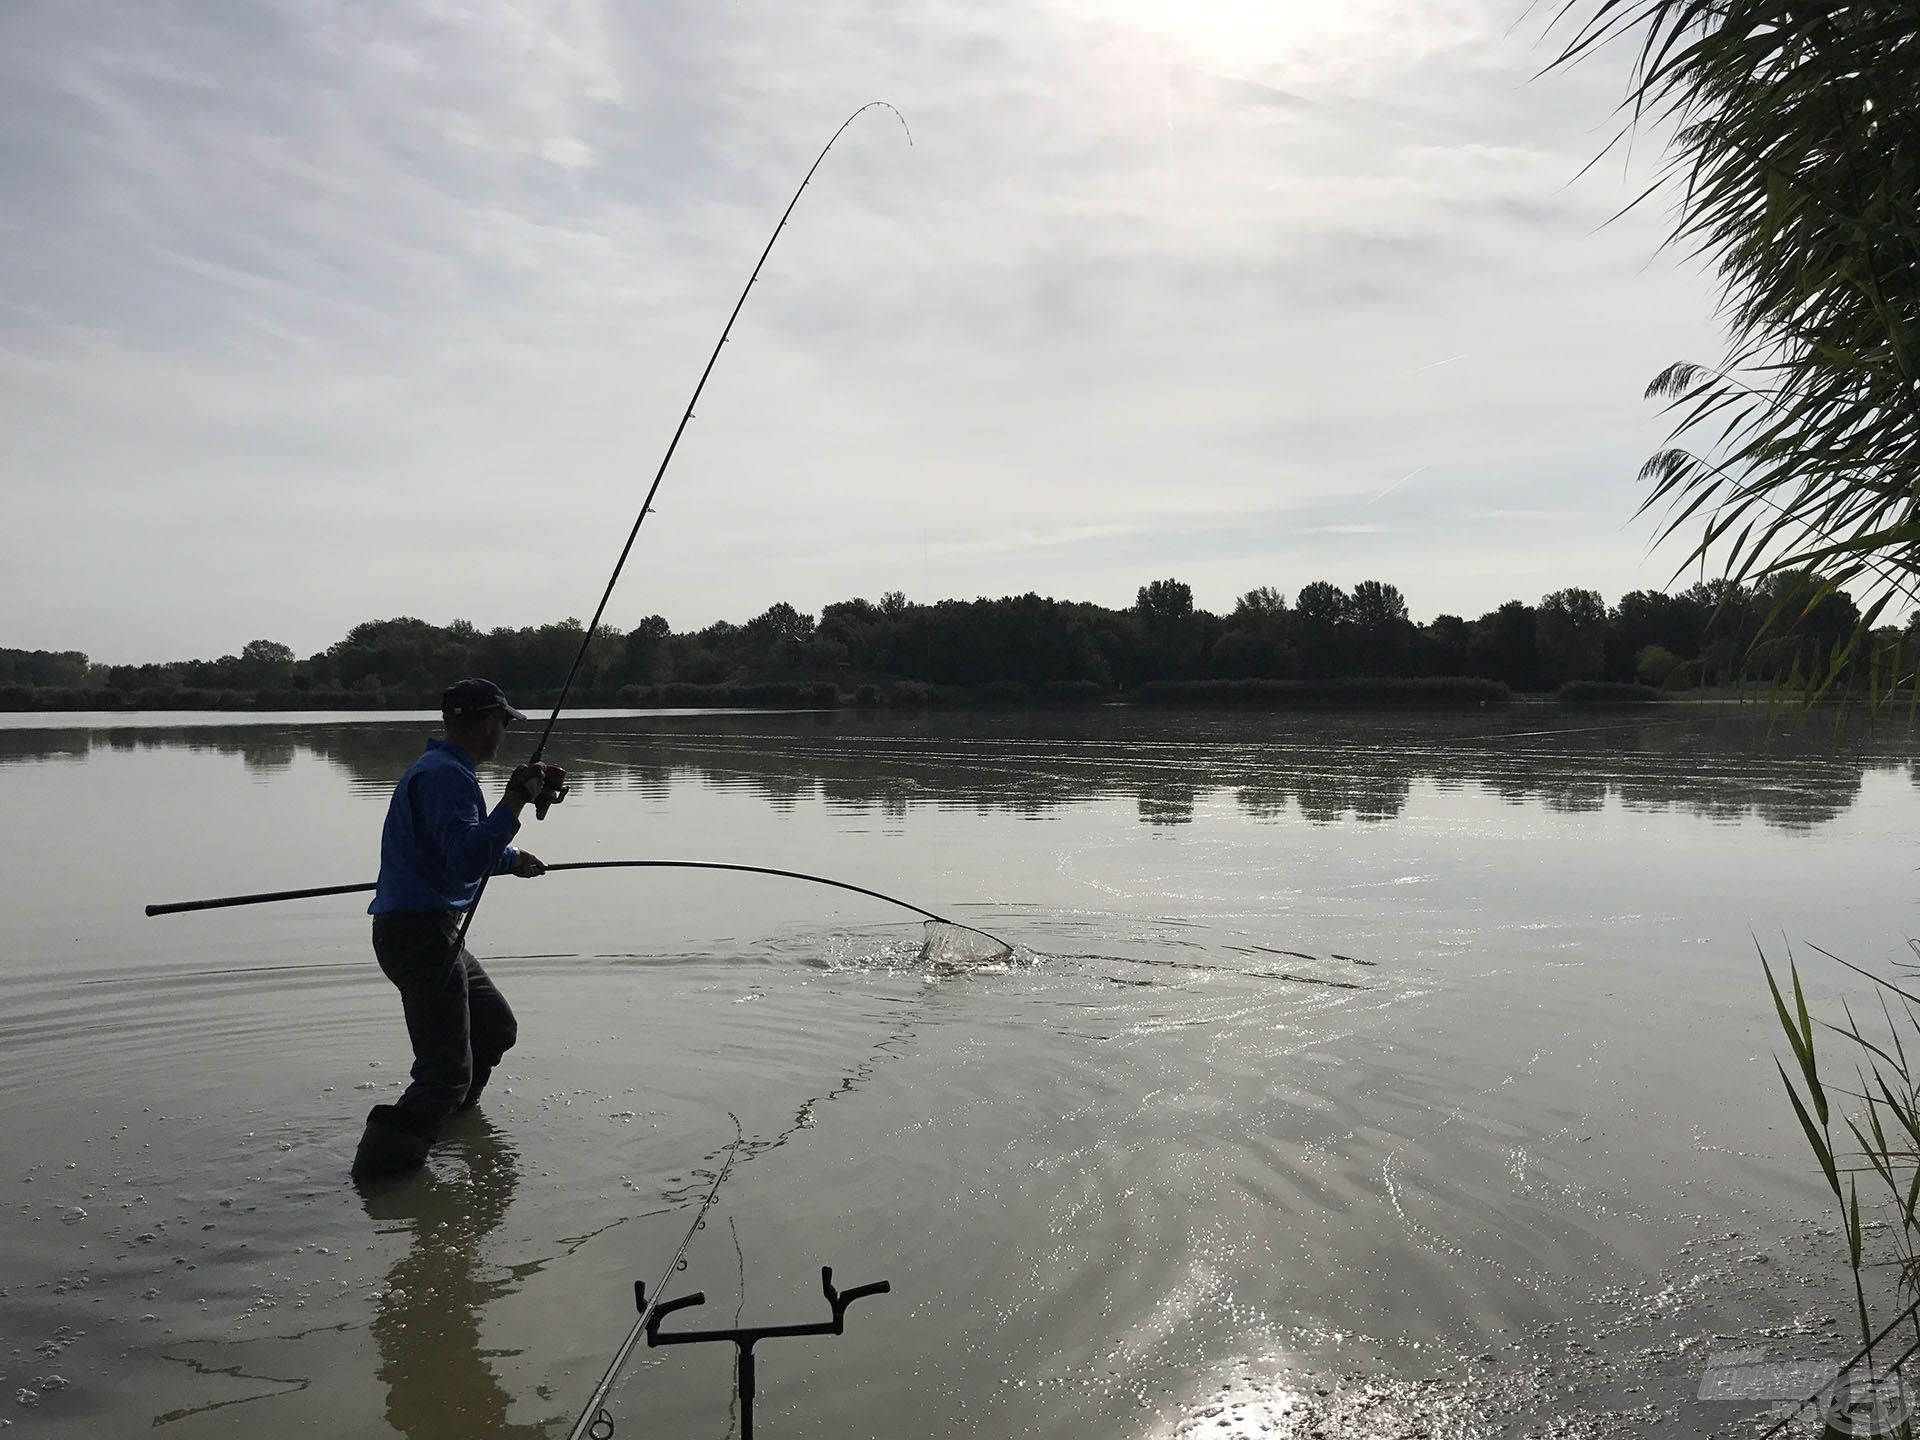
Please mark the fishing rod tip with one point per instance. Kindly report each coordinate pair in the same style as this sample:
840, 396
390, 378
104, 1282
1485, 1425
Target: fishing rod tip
889, 105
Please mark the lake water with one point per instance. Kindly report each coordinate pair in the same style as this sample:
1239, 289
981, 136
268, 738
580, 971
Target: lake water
1371, 1077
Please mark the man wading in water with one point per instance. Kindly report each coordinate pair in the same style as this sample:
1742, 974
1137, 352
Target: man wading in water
438, 843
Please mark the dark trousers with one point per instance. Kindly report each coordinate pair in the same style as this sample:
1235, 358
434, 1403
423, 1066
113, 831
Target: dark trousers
458, 1022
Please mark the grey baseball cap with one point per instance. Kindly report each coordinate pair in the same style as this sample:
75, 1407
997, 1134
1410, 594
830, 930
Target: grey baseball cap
474, 696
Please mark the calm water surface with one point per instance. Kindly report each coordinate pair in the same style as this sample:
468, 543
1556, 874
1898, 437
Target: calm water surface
1357, 1077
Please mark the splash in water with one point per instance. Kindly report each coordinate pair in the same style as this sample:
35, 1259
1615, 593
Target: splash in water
956, 947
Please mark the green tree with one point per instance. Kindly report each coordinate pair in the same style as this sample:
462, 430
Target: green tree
1805, 623
43, 667
1172, 645
1655, 665
1505, 646
700, 665
780, 633
1442, 646
1571, 636
1256, 639
264, 665
643, 652
1260, 604
1380, 634
1165, 601
1319, 623
395, 653
1676, 623
859, 626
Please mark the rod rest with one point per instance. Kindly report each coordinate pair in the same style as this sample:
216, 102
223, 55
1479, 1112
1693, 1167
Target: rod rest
837, 1300
744, 1339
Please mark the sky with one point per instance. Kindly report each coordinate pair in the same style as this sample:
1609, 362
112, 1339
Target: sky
314, 312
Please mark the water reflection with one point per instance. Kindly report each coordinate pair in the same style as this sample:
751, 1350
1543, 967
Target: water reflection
1325, 769
427, 1326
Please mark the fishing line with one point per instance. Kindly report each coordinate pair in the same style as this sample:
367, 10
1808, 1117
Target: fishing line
594, 1422
1465, 739
996, 768
1179, 749
646, 505
598, 1420
1017, 770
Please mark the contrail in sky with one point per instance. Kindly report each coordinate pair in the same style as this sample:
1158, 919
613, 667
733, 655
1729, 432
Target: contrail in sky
1435, 365
1395, 485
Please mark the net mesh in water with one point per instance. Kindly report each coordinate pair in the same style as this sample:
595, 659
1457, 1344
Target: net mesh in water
959, 947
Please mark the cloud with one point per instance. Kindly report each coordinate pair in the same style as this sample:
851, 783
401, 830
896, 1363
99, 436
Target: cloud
315, 313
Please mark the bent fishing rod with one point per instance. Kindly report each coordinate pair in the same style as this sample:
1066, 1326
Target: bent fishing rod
646, 505
273, 897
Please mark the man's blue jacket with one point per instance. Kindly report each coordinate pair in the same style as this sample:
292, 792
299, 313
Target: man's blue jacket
439, 839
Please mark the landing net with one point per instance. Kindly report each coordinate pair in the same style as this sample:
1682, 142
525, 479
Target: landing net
961, 948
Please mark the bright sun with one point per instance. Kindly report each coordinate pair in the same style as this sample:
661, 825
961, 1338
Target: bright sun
1306, 43
1233, 35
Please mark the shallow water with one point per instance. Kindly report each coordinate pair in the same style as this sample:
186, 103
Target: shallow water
1356, 1076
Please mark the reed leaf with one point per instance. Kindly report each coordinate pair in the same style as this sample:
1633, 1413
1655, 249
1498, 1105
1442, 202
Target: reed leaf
1893, 1030
1799, 1035
1853, 1222
1876, 1155
1821, 1150
1794, 164
1904, 1113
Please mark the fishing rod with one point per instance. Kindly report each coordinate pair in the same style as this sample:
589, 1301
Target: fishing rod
595, 1422
646, 505
271, 897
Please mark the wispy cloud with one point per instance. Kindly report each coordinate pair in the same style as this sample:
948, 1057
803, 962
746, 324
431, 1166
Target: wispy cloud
314, 312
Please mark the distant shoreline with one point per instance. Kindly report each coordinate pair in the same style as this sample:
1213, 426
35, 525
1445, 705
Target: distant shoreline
1427, 693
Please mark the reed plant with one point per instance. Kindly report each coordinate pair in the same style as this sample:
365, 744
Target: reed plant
1866, 1131
1793, 163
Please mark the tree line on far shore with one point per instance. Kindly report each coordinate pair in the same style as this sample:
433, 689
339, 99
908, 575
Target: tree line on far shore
1324, 640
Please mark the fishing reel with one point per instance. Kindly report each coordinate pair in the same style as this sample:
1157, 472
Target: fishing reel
552, 792
545, 785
